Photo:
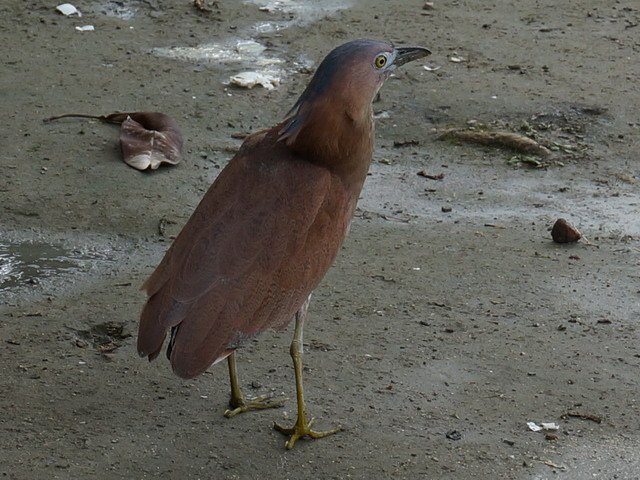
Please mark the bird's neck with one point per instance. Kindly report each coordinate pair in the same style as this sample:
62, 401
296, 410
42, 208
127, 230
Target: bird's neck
340, 139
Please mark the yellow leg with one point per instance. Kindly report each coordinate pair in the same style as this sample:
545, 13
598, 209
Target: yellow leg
238, 403
302, 427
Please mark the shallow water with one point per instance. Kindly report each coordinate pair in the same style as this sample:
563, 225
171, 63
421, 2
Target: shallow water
123, 9
28, 263
244, 50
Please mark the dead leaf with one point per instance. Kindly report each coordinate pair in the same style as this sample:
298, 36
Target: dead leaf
149, 144
508, 140
147, 139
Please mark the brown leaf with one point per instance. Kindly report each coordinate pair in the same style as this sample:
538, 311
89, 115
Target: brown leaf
147, 139
508, 140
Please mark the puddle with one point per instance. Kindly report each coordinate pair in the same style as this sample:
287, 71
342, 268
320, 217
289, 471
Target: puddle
28, 263
35, 263
241, 52
124, 10
302, 12
231, 51
298, 13
246, 52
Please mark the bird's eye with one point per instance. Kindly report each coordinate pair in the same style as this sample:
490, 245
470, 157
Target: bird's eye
380, 61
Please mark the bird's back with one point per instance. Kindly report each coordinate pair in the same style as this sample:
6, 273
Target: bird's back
258, 243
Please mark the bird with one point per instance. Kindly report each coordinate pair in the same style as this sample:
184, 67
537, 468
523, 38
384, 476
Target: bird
269, 228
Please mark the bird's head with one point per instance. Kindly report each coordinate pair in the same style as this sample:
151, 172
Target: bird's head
349, 78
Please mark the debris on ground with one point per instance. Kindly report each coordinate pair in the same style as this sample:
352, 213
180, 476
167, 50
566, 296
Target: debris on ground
584, 416
527, 160
431, 67
548, 426
68, 9
253, 79
534, 427
453, 435
147, 139
240, 135
549, 463
564, 232
498, 139
405, 143
495, 225
425, 174
202, 6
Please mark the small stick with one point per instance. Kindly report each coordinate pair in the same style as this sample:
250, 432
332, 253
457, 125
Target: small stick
103, 118
549, 463
584, 416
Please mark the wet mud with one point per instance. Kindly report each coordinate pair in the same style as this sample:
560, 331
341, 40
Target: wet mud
450, 318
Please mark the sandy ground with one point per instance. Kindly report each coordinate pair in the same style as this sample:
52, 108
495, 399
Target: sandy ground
436, 336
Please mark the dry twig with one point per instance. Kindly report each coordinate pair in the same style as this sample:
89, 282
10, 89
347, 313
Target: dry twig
507, 140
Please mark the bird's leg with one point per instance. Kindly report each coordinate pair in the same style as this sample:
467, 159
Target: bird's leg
237, 401
302, 427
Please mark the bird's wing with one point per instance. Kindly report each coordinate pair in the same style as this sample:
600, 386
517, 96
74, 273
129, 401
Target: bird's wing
257, 244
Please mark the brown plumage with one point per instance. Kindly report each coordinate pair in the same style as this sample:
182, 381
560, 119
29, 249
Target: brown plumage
271, 225
257, 245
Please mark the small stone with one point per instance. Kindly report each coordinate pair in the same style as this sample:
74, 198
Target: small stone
564, 232
453, 435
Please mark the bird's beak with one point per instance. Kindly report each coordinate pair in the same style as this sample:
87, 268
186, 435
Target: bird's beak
408, 54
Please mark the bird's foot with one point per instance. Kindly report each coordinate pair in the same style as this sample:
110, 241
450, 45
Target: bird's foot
240, 405
302, 428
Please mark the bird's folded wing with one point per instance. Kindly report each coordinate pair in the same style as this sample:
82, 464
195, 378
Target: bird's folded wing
237, 266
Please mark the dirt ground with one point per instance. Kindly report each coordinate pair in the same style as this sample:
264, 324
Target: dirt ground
450, 319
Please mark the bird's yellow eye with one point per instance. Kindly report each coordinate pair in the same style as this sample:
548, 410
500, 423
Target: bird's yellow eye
380, 61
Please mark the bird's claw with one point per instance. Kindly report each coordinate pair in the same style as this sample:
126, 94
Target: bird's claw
302, 429
258, 403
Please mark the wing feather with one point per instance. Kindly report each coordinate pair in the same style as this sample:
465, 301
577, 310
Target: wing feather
257, 244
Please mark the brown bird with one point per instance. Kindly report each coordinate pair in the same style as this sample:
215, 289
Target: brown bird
270, 226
